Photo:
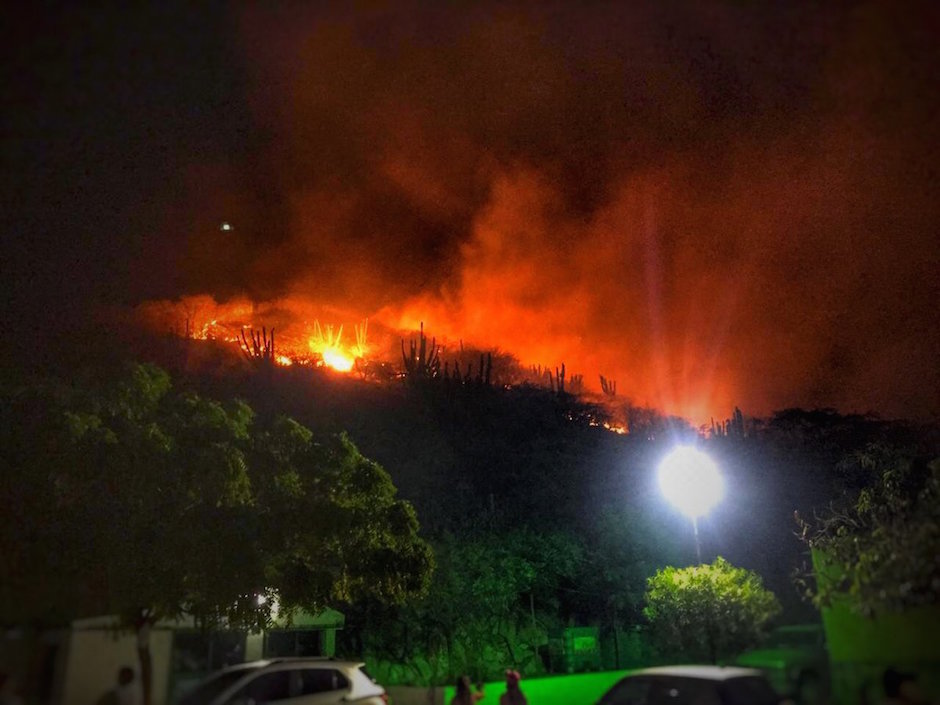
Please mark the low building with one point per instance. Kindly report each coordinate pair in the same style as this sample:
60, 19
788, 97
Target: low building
78, 665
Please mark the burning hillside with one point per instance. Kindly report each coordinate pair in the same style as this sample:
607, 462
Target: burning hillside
635, 191
287, 332
283, 330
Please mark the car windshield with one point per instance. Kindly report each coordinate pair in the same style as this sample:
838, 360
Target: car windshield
750, 690
210, 689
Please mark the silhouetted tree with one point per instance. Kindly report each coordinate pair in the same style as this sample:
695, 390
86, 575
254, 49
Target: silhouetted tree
127, 498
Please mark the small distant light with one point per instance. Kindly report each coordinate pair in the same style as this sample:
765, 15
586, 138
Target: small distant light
226, 227
261, 600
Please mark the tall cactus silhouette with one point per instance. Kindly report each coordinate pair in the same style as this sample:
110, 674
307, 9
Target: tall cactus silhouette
576, 384
261, 348
421, 362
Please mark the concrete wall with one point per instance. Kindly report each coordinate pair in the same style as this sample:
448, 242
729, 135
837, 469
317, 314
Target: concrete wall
95, 655
254, 646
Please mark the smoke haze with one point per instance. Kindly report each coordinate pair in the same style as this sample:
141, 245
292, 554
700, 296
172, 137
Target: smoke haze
714, 204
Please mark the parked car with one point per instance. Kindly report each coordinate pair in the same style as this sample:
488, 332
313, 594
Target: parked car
291, 681
795, 660
692, 685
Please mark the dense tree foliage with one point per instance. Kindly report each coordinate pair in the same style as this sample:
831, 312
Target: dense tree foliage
125, 497
492, 599
624, 547
516, 481
708, 611
883, 549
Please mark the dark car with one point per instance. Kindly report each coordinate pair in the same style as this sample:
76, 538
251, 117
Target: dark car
692, 685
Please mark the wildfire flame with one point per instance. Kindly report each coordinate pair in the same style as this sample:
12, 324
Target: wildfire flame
328, 346
251, 326
203, 318
338, 360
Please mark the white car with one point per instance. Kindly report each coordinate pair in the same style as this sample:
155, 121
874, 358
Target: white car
692, 685
291, 681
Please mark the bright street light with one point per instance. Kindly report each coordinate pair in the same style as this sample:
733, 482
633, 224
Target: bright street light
691, 482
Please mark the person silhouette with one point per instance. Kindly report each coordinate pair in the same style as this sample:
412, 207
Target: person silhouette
126, 692
901, 689
513, 694
465, 695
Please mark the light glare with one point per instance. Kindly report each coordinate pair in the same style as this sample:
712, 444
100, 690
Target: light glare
690, 480
337, 360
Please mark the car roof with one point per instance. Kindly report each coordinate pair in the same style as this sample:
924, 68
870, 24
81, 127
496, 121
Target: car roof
333, 663
712, 673
312, 661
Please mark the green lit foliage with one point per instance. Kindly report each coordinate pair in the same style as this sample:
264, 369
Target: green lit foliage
708, 611
126, 497
883, 551
490, 604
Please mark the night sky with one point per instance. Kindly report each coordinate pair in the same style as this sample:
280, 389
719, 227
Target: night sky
714, 203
